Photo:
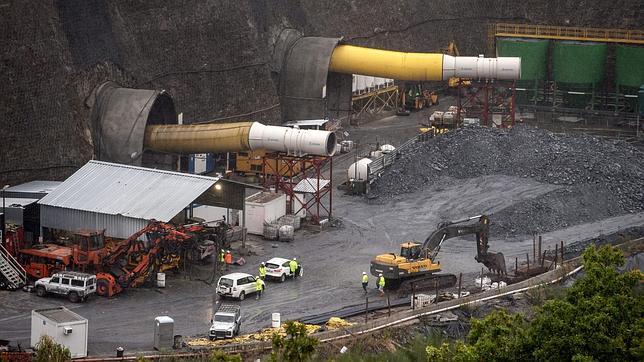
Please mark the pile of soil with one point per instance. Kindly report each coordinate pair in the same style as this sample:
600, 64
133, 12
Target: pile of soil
598, 177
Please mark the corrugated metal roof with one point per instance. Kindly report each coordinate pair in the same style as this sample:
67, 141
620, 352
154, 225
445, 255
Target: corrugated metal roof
135, 192
33, 189
35, 186
310, 185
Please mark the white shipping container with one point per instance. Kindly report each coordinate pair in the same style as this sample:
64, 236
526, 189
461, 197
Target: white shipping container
63, 326
263, 207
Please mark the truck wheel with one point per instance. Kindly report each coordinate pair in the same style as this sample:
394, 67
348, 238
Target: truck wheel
242, 295
73, 297
282, 278
40, 291
102, 287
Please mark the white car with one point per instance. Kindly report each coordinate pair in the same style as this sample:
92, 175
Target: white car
236, 285
278, 268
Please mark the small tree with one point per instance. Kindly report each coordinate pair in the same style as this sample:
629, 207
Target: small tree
296, 346
49, 351
600, 317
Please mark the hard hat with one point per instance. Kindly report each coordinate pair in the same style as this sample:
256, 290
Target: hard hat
380, 274
364, 273
263, 263
294, 258
228, 251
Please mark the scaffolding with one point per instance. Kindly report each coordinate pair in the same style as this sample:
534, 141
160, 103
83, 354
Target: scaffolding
304, 180
565, 33
375, 101
492, 102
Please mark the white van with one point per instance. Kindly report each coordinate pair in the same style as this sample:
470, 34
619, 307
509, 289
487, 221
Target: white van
236, 285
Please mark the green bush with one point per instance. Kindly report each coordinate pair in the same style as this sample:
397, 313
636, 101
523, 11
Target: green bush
49, 351
296, 346
599, 318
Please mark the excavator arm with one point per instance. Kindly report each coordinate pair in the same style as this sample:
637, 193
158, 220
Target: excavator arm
451, 229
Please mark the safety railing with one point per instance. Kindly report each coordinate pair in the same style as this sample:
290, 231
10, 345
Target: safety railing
387, 159
569, 33
9, 260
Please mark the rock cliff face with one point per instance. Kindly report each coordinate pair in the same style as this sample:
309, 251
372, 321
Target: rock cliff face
211, 56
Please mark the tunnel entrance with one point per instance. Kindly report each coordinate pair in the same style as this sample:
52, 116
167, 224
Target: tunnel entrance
118, 119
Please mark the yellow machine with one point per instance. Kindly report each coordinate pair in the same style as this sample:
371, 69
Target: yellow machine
415, 97
417, 260
432, 130
410, 261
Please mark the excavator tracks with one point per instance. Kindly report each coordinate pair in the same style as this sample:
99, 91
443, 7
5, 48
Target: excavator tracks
425, 282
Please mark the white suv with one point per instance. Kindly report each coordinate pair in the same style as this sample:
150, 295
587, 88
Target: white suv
236, 285
279, 268
76, 286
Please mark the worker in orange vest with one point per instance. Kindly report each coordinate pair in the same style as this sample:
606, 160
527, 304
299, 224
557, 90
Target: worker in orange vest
228, 259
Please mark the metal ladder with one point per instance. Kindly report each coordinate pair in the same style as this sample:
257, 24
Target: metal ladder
11, 269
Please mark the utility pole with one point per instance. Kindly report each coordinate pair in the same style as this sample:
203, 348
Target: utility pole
4, 217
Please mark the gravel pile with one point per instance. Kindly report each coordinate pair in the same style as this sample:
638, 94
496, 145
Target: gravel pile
599, 178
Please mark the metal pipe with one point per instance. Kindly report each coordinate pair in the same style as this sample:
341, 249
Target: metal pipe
235, 137
352, 59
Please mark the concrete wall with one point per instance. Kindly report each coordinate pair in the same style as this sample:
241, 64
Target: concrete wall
209, 55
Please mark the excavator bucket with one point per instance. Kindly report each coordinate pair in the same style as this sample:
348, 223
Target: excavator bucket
493, 261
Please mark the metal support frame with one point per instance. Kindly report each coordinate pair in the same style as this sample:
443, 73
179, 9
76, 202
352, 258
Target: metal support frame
284, 172
375, 101
484, 99
3, 236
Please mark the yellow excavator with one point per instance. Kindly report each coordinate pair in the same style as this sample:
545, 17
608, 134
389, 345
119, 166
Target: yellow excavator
417, 262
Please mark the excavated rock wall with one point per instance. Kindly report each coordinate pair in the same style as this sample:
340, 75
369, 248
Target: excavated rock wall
209, 55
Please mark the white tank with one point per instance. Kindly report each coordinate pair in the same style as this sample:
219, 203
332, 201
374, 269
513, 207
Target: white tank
387, 148
359, 170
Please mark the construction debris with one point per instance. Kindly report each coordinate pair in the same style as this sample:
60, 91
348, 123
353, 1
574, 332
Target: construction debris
596, 178
265, 334
336, 323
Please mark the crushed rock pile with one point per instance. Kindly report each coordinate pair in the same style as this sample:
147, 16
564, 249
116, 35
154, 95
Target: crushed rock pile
598, 177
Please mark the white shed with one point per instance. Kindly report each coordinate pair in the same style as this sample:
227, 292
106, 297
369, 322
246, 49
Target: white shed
63, 326
263, 207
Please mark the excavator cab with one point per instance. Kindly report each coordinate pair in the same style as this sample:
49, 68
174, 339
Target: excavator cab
410, 251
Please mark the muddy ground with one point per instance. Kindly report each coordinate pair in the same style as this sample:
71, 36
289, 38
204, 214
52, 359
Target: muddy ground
333, 259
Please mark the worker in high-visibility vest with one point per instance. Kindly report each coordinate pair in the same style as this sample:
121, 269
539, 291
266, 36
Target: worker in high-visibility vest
293, 266
381, 284
259, 287
365, 282
228, 258
221, 260
262, 271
